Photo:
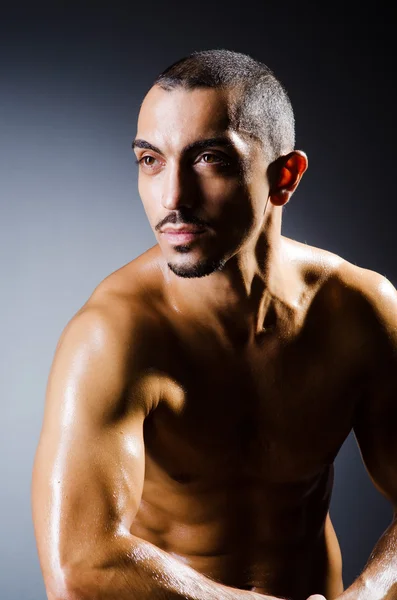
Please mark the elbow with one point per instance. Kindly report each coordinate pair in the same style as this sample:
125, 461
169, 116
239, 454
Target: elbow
110, 573
67, 585
72, 583
95, 583
78, 584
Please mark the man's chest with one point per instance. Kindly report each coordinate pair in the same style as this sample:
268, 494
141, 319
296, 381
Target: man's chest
281, 414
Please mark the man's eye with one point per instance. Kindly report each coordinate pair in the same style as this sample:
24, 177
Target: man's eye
213, 159
144, 160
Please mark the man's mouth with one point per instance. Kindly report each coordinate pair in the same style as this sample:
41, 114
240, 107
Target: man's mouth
182, 234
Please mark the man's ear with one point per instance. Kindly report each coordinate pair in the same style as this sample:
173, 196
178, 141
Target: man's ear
284, 176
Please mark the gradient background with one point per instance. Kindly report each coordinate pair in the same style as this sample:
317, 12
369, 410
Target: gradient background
71, 82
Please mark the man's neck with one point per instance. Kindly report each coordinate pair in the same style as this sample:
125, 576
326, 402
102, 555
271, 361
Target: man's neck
245, 297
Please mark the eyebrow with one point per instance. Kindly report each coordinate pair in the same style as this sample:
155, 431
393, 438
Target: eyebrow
223, 141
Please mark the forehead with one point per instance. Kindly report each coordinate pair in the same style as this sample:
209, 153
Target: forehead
178, 117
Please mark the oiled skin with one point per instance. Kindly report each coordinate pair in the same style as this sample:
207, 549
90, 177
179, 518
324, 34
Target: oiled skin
239, 451
191, 424
238, 436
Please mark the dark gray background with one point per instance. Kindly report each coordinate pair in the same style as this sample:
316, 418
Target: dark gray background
71, 81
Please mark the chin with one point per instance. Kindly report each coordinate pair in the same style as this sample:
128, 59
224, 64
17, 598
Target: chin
200, 268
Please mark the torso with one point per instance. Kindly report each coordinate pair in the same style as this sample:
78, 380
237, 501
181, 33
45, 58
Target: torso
241, 444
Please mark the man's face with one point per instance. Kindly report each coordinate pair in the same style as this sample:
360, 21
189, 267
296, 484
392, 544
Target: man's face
196, 171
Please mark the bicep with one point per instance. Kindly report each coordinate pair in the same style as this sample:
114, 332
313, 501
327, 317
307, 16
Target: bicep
375, 425
89, 465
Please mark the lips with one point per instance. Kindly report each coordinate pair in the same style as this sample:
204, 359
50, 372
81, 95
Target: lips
178, 230
182, 235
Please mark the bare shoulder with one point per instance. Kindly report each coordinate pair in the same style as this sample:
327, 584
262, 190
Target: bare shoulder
114, 339
375, 296
133, 277
373, 287
364, 296
316, 266
130, 295
325, 266
365, 300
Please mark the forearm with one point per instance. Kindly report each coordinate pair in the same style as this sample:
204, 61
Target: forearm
378, 581
144, 571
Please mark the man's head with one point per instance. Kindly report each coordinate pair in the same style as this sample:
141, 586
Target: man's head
226, 107
259, 105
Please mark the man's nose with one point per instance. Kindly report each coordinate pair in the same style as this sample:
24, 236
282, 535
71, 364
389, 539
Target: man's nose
178, 188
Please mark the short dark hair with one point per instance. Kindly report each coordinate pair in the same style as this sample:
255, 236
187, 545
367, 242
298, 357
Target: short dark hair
262, 109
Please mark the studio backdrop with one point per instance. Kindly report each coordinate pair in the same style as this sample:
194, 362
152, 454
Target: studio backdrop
71, 83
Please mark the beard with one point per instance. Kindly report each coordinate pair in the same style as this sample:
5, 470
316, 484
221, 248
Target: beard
201, 269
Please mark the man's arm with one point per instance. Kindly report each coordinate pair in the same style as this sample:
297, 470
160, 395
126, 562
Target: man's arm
375, 429
89, 471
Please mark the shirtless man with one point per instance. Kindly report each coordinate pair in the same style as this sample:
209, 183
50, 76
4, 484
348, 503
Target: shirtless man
198, 399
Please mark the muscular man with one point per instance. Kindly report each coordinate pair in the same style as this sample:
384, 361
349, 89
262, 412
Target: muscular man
198, 399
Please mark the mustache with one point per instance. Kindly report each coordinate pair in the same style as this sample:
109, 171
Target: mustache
181, 219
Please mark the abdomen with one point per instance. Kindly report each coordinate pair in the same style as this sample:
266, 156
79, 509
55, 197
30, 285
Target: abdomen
278, 539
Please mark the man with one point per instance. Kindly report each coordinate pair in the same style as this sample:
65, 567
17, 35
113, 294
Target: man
197, 401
